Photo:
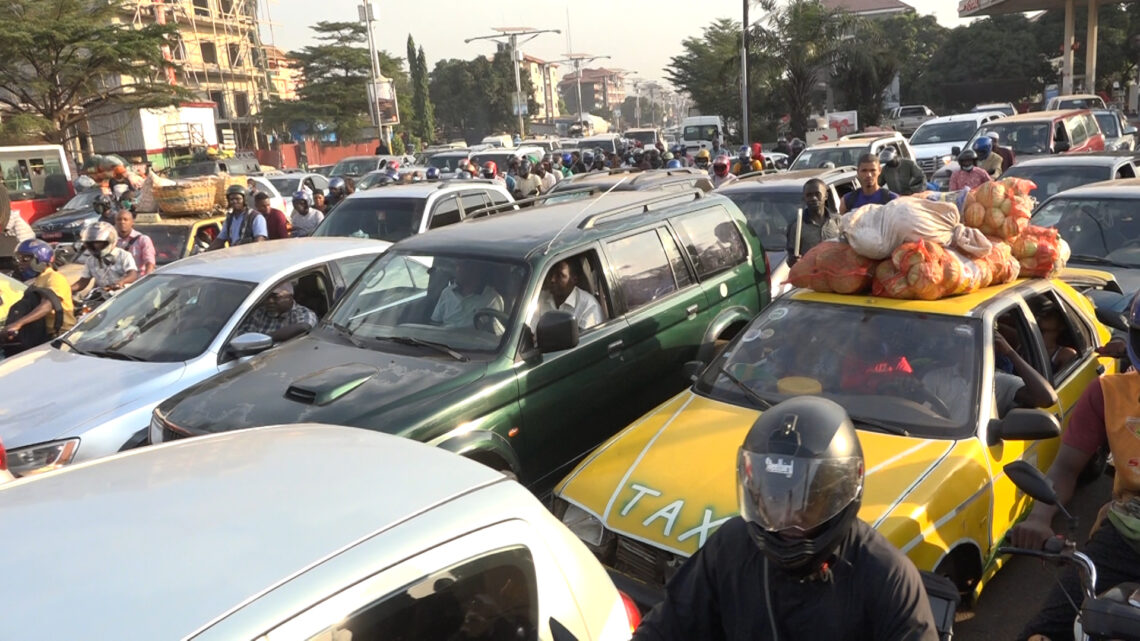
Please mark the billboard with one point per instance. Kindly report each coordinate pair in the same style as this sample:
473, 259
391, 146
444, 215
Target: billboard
843, 122
383, 93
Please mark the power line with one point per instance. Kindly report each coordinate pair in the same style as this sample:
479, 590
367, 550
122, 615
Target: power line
512, 35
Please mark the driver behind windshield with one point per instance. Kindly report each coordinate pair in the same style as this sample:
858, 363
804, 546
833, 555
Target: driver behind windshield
280, 317
468, 293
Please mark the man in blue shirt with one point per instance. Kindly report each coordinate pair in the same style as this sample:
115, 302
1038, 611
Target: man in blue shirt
243, 223
869, 191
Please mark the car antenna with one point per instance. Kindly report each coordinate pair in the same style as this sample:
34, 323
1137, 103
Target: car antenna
585, 209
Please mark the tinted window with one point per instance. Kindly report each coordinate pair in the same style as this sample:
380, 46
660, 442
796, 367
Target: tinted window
768, 213
445, 212
351, 267
357, 167
473, 202
170, 241
491, 597
1022, 137
836, 156
912, 111
1109, 124
713, 241
1077, 127
1096, 230
642, 267
1052, 180
944, 132
497, 198
681, 272
389, 219
446, 162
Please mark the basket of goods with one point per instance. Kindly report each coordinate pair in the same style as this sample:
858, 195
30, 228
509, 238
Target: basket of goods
186, 197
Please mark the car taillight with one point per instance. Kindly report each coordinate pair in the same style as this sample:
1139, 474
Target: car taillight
631, 611
3, 457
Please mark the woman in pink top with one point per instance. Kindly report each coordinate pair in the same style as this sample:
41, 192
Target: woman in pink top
968, 174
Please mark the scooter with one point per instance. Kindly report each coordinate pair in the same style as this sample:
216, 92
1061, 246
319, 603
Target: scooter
1112, 614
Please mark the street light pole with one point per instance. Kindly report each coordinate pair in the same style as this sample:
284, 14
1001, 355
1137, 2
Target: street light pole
512, 35
579, 59
744, 76
367, 16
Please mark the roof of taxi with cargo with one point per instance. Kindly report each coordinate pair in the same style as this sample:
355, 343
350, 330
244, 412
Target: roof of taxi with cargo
523, 233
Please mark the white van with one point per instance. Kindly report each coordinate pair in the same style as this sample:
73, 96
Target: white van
699, 131
498, 140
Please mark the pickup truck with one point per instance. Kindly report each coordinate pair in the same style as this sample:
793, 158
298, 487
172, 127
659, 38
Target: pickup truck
907, 118
847, 150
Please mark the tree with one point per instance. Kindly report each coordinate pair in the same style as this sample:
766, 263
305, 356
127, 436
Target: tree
61, 59
421, 123
334, 98
1117, 51
708, 69
914, 39
803, 40
472, 98
864, 71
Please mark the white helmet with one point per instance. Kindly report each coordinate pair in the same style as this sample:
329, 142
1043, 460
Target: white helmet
993, 135
100, 232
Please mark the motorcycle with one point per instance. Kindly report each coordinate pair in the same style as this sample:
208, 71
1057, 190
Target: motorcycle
1112, 614
85, 303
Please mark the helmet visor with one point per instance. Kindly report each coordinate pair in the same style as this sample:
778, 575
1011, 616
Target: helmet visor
779, 492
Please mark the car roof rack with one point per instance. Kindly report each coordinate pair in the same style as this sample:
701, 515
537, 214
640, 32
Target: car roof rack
447, 182
510, 206
643, 206
760, 172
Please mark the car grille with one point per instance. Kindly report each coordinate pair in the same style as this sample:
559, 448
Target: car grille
644, 562
927, 165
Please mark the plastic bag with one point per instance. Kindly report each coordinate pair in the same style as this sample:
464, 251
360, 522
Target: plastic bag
1000, 208
877, 230
927, 271
832, 266
1041, 252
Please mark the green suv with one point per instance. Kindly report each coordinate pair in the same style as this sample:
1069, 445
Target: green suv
457, 336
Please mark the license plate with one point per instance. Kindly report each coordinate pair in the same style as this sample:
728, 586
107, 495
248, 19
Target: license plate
51, 235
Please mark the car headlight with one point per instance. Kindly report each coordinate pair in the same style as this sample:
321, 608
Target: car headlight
584, 525
42, 457
945, 160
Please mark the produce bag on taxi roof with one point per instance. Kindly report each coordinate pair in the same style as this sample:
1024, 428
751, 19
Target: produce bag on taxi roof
1000, 208
1041, 251
833, 266
877, 230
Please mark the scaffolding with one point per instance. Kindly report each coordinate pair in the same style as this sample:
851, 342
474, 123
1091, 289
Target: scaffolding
238, 67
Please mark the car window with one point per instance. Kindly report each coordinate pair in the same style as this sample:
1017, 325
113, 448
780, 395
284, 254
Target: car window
587, 270
681, 272
351, 267
1054, 179
473, 202
444, 212
1096, 230
768, 212
713, 241
389, 219
1077, 130
642, 267
1109, 124
491, 596
498, 198
1068, 341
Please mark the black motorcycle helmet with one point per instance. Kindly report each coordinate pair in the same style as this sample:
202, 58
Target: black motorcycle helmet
800, 482
968, 159
889, 157
102, 204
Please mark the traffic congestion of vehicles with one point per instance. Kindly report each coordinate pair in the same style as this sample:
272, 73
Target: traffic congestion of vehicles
581, 380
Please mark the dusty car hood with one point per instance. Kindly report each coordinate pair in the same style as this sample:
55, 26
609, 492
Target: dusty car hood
670, 478
51, 394
935, 149
262, 391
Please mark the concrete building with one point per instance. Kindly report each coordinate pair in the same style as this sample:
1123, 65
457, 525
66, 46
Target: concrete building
285, 76
223, 62
544, 78
601, 89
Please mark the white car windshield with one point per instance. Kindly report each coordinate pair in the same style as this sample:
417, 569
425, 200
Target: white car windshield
836, 156
890, 370
162, 318
465, 304
944, 132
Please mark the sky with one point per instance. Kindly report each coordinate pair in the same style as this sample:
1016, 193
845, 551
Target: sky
640, 36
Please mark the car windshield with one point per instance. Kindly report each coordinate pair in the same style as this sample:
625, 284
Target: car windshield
769, 212
944, 132
1097, 230
1052, 180
286, 185
1023, 137
83, 200
466, 304
170, 241
1081, 103
163, 318
1109, 124
446, 162
389, 219
194, 169
699, 132
837, 156
357, 167
371, 180
894, 370
1005, 109
642, 136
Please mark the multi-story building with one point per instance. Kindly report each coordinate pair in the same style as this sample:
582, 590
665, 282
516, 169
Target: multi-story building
221, 59
601, 89
284, 75
544, 78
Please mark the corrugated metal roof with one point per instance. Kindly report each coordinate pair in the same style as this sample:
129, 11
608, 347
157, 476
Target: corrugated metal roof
868, 6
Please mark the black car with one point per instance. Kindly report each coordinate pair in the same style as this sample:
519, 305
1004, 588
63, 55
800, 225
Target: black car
1055, 174
64, 225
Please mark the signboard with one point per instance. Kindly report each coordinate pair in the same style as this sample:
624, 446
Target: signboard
970, 7
383, 92
820, 135
517, 108
843, 122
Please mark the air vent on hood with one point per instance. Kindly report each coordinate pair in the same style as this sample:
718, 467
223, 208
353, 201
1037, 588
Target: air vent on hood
325, 386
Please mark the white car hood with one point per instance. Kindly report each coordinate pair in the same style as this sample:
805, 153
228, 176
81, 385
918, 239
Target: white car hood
936, 149
51, 394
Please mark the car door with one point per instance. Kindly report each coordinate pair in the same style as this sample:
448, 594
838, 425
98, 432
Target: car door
570, 399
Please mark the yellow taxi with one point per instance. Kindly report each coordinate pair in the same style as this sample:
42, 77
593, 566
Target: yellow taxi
920, 379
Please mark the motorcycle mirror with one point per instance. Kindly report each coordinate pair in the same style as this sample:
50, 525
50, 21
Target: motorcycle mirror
1030, 480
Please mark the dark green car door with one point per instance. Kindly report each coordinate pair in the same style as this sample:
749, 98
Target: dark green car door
566, 397
719, 253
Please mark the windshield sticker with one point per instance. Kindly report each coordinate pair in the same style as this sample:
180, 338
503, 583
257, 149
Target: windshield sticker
751, 335
778, 313
767, 333
778, 466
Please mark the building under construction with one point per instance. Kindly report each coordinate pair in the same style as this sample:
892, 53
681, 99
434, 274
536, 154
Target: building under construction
222, 60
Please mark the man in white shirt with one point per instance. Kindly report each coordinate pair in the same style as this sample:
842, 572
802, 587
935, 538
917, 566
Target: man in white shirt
547, 178
527, 184
103, 262
469, 293
562, 293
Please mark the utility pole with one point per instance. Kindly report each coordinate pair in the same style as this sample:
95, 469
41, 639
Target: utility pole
367, 16
579, 59
511, 36
744, 76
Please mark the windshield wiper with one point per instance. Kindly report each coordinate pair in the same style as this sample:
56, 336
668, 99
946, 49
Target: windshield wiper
107, 353
439, 347
760, 401
346, 333
64, 341
880, 425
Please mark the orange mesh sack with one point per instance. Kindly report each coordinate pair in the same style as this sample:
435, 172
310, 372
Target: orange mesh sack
833, 266
1039, 252
920, 262
889, 283
1004, 267
1005, 207
960, 275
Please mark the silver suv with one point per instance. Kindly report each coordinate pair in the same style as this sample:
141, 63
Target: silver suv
395, 212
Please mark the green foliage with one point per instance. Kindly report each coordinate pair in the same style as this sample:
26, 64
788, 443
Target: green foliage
864, 71
425, 111
913, 40
60, 59
1117, 51
708, 69
472, 98
397, 147
334, 98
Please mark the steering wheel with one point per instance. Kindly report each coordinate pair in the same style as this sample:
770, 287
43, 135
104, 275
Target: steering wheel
483, 319
915, 391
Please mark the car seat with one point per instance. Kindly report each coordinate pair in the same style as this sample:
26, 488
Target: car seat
584, 270
309, 291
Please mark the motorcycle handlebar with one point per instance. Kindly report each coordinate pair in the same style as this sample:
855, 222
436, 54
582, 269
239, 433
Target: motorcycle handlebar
1085, 566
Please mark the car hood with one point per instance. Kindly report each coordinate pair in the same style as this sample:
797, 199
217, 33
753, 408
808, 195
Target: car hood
1127, 277
313, 380
85, 391
936, 149
670, 478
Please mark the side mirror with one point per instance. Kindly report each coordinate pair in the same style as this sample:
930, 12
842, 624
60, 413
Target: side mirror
954, 151
1112, 318
1024, 425
1061, 146
249, 343
1129, 131
1030, 480
556, 331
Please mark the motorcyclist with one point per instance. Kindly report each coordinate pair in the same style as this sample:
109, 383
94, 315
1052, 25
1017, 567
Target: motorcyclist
567, 165
432, 174
702, 159
527, 184
105, 207
244, 224
674, 164
305, 218
110, 267
796, 147
1102, 417
797, 562
33, 320
720, 174
968, 174
744, 162
901, 175
988, 160
1007, 155
337, 192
